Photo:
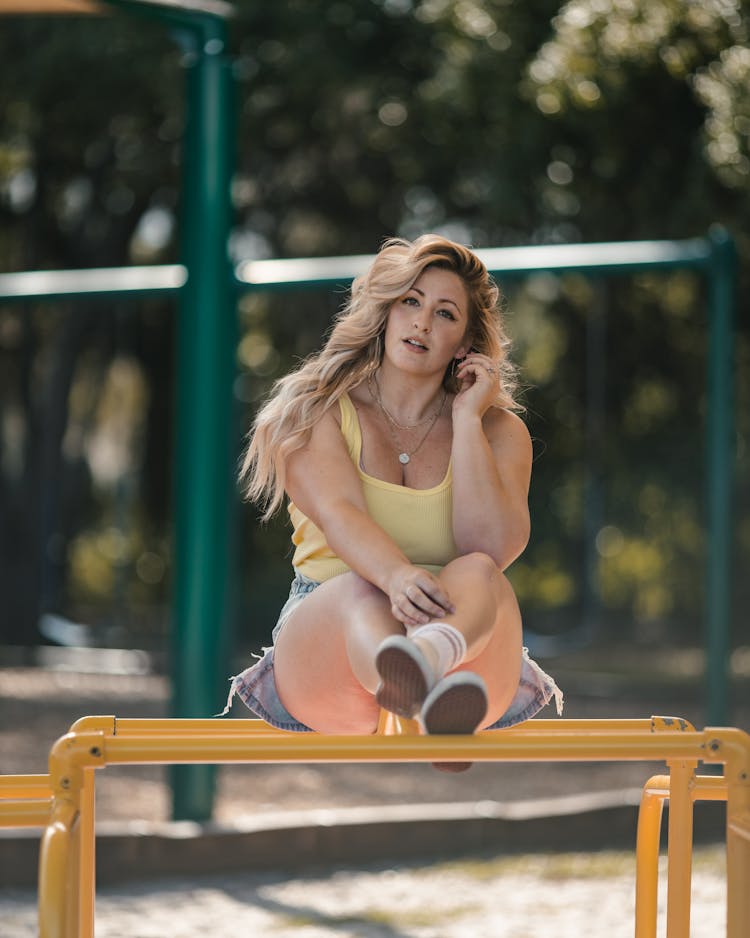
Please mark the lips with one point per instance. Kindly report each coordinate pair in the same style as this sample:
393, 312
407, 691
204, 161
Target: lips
415, 343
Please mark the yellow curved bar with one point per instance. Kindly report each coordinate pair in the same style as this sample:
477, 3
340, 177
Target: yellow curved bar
655, 792
648, 834
57, 907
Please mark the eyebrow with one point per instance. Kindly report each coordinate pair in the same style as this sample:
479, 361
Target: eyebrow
444, 299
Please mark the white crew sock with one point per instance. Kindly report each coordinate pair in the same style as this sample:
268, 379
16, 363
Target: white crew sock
447, 644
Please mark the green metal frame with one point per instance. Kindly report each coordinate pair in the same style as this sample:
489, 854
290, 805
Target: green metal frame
204, 458
206, 329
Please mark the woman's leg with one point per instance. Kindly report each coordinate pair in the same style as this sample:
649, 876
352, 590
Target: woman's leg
324, 659
488, 617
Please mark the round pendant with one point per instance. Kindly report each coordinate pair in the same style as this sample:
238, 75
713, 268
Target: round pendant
403, 458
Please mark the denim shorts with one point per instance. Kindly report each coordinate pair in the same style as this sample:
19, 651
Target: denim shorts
256, 686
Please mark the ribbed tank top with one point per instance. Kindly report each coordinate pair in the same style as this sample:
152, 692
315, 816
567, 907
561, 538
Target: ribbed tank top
418, 520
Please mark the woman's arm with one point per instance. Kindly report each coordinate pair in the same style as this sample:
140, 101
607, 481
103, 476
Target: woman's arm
323, 482
491, 457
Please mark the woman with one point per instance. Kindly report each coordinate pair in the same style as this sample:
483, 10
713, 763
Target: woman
408, 474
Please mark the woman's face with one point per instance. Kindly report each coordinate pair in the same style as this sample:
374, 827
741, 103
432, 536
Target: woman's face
428, 325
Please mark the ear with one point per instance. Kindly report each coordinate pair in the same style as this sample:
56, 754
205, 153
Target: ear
463, 351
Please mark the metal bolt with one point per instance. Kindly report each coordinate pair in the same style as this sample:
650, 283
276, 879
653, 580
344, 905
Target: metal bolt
64, 783
714, 745
95, 751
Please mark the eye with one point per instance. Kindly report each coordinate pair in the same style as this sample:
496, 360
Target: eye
447, 314
410, 301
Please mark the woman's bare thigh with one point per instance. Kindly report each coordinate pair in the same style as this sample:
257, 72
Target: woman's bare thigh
313, 673
312, 668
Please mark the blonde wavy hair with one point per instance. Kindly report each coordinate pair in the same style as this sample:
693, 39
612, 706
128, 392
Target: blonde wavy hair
354, 350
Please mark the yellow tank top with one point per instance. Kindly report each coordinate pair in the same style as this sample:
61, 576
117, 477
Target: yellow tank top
418, 520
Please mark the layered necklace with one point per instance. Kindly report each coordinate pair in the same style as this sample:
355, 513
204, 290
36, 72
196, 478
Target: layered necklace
404, 457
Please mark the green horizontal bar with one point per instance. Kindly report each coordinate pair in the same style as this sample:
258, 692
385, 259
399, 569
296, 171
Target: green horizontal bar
54, 284
563, 258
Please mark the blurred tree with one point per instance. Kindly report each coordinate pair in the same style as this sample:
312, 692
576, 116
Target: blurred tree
88, 163
497, 123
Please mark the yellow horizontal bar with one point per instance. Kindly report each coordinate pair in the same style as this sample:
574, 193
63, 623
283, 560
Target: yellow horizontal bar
709, 788
24, 786
25, 812
129, 726
482, 747
702, 788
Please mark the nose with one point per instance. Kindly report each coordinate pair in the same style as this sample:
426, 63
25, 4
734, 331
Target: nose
422, 322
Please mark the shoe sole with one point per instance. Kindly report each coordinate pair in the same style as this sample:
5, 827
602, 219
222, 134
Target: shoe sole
404, 685
457, 708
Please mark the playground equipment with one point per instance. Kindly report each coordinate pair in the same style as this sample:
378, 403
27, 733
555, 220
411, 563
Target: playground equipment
63, 802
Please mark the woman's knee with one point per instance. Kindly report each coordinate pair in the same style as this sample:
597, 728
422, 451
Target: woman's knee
479, 566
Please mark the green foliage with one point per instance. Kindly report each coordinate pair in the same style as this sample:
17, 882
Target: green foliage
497, 123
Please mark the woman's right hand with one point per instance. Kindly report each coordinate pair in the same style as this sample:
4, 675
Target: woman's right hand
417, 596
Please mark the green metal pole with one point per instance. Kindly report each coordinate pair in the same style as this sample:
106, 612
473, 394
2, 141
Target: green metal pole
720, 461
204, 451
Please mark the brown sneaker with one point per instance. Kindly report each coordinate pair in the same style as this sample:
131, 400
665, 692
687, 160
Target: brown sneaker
457, 704
405, 676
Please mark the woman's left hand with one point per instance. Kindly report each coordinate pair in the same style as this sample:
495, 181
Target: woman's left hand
479, 378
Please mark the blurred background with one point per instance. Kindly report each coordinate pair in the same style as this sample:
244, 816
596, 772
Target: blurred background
497, 123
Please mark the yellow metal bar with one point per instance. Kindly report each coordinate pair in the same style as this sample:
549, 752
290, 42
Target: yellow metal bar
96, 724
129, 726
738, 856
85, 887
391, 725
24, 786
25, 812
123, 726
56, 904
680, 848
157, 748
648, 834
25, 800
655, 792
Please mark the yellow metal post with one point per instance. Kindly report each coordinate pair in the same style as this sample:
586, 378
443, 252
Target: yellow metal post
737, 754
647, 855
85, 887
680, 848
